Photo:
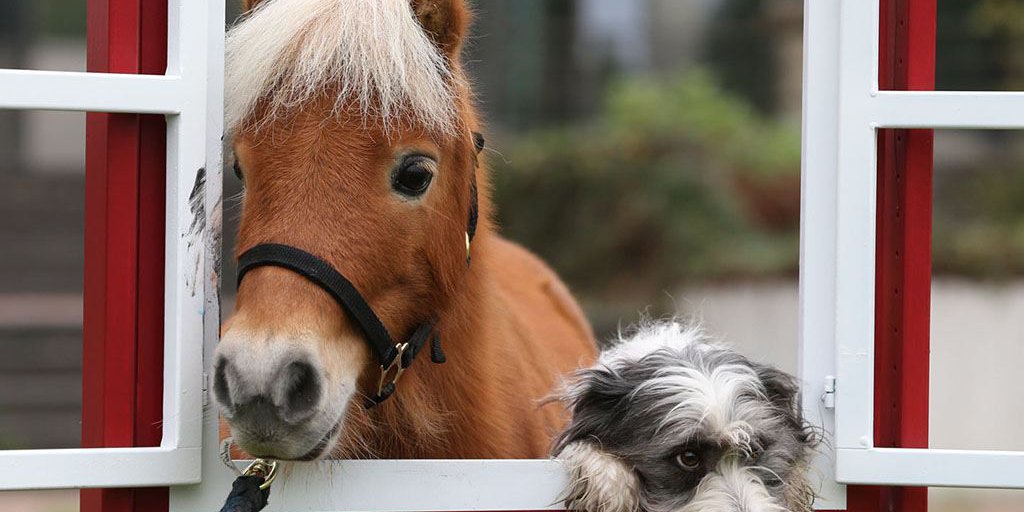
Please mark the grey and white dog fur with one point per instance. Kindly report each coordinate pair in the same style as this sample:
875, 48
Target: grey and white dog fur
670, 421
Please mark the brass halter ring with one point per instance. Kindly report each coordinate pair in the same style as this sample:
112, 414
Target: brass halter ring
394, 370
264, 468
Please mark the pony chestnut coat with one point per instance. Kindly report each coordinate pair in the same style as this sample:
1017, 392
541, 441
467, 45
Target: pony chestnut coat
352, 125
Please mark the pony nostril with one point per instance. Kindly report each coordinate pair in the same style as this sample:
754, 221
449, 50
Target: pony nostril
221, 388
301, 392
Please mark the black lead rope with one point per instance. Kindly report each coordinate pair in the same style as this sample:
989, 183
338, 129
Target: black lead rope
251, 490
246, 495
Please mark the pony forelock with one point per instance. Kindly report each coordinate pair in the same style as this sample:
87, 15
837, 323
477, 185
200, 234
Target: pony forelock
373, 53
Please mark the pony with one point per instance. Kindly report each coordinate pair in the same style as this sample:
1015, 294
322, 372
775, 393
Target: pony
354, 131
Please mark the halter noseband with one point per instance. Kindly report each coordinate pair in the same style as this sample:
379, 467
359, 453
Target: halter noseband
393, 357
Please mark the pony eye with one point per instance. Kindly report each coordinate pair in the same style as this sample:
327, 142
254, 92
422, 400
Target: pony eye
238, 170
412, 178
688, 460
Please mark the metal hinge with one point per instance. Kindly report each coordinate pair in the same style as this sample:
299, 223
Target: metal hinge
206, 389
829, 397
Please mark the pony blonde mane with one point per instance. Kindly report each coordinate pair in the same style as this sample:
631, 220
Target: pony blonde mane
374, 54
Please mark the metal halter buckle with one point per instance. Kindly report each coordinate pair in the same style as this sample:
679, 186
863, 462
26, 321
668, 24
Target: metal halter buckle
266, 469
394, 369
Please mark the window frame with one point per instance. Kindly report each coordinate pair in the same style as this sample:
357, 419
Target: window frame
189, 94
841, 213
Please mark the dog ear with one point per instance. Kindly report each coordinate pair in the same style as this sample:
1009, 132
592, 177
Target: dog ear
446, 22
783, 391
595, 400
781, 387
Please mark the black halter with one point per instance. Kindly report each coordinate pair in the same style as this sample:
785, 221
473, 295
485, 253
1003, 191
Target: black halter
393, 357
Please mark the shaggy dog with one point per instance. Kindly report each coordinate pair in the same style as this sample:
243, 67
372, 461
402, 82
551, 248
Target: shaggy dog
668, 421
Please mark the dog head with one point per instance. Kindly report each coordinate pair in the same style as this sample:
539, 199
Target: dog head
669, 421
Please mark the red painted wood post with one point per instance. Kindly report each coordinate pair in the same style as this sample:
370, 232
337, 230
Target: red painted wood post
122, 378
903, 255
152, 210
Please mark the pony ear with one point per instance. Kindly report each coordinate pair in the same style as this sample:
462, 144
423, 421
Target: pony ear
247, 5
446, 22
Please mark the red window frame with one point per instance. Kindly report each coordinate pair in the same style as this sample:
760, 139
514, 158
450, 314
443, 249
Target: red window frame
122, 376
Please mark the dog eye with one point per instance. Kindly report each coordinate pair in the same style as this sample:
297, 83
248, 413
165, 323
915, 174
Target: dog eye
688, 460
413, 177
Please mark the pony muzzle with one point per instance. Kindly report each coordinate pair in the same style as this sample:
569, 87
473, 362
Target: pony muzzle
277, 399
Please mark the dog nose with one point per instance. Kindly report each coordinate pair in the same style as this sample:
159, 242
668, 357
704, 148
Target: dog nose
288, 394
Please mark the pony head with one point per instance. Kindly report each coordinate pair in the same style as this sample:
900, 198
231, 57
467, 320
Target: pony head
351, 125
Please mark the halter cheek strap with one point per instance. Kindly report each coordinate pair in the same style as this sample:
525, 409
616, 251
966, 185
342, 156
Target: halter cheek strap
393, 357
474, 205
331, 281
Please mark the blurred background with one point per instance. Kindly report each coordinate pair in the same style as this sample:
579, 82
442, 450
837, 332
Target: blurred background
648, 149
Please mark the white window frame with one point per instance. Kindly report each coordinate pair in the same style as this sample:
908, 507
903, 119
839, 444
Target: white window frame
819, 150
500, 485
844, 108
190, 95
508, 485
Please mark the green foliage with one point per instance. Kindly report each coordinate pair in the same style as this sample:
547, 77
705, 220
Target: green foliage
979, 221
61, 18
694, 110
998, 17
664, 187
980, 45
677, 181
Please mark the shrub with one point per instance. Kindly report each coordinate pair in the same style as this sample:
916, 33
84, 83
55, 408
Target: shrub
674, 181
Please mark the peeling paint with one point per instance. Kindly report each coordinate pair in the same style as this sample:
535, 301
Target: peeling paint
196, 233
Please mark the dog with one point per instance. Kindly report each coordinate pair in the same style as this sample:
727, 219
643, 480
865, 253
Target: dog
670, 421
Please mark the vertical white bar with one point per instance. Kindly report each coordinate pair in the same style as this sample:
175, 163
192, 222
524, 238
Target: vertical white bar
214, 173
209, 494
855, 224
818, 232
216, 478
187, 231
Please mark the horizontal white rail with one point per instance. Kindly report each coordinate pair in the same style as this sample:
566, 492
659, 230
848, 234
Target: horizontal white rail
423, 485
98, 467
90, 92
931, 467
394, 485
948, 109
